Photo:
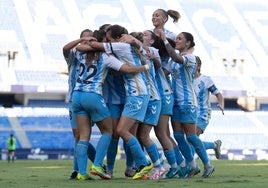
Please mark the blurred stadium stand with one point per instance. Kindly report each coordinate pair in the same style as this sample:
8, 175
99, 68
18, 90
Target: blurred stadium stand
231, 39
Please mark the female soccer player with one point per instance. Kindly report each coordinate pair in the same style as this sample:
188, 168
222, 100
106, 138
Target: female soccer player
69, 55
182, 69
89, 105
137, 94
203, 86
160, 18
154, 106
162, 131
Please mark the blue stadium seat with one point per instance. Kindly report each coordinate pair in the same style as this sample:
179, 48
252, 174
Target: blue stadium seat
254, 20
4, 122
50, 78
49, 122
238, 140
47, 103
51, 139
4, 136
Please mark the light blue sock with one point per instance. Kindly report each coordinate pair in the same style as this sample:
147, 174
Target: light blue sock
91, 152
170, 156
136, 151
111, 154
208, 145
81, 155
199, 147
192, 149
101, 149
184, 146
75, 165
154, 155
178, 155
129, 157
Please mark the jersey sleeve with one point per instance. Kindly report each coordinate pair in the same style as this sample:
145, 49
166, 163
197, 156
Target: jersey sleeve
113, 62
211, 86
70, 59
116, 48
168, 65
189, 60
154, 51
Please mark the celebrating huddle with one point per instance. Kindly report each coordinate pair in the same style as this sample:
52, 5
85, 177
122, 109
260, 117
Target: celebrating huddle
130, 83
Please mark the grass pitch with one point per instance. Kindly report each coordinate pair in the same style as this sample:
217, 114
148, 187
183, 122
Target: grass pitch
55, 173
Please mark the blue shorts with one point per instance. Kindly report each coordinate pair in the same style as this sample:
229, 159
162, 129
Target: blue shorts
152, 113
115, 110
202, 123
184, 113
167, 104
90, 104
136, 106
72, 116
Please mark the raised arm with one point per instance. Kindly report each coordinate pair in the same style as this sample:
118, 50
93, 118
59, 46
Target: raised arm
91, 45
171, 51
66, 48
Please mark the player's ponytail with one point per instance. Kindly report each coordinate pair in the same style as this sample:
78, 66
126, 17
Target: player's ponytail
175, 15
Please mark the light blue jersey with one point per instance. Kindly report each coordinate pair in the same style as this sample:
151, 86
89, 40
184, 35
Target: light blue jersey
155, 95
169, 34
154, 106
113, 89
92, 75
114, 93
182, 80
203, 86
161, 79
165, 91
137, 84
72, 63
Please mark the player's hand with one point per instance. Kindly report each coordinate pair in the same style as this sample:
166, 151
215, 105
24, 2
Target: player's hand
127, 39
221, 108
161, 34
147, 65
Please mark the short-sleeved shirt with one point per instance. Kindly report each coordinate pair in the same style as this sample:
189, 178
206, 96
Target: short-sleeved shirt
11, 146
113, 88
203, 86
134, 84
72, 63
91, 76
182, 80
154, 91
